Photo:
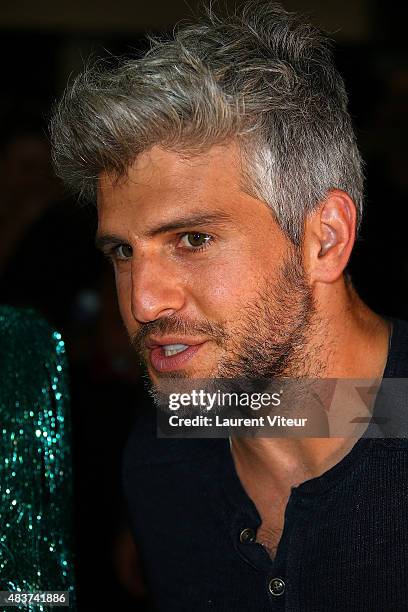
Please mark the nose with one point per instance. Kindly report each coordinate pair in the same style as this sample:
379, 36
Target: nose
156, 289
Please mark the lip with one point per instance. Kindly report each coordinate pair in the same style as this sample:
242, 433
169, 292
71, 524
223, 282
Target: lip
161, 363
155, 342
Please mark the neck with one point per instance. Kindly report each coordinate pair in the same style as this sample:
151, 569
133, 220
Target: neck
353, 340
348, 341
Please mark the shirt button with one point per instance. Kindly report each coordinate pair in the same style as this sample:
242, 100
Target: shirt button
247, 535
277, 587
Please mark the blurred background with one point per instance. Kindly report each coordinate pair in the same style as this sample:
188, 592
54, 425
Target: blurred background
47, 258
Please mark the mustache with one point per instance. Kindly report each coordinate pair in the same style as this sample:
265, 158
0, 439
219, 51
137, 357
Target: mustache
177, 326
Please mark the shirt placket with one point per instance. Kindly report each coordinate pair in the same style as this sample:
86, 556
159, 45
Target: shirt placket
244, 523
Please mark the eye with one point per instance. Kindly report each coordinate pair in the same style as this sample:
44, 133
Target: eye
123, 251
195, 240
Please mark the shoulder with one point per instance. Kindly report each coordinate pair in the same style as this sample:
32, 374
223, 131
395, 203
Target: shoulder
27, 337
397, 363
178, 478
391, 444
144, 446
390, 425
22, 329
32, 359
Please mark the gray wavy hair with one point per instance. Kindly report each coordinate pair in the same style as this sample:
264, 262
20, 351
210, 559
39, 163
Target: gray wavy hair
261, 76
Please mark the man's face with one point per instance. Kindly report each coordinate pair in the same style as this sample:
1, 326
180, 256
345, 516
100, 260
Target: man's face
208, 284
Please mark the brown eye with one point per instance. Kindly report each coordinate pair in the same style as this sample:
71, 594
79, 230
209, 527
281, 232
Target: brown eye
195, 240
123, 251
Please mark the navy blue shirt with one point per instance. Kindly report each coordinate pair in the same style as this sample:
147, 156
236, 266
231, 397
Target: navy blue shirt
344, 545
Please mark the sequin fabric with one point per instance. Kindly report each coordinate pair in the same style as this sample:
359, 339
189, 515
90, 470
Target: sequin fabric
35, 469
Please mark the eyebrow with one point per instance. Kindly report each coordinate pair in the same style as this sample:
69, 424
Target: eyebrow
194, 220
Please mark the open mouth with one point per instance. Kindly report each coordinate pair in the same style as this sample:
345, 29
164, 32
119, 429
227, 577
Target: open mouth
167, 357
174, 349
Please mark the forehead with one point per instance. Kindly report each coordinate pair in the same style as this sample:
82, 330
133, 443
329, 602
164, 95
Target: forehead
162, 182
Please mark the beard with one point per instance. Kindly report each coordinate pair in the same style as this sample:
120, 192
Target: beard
274, 335
277, 329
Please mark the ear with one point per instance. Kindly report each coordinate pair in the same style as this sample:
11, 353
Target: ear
329, 237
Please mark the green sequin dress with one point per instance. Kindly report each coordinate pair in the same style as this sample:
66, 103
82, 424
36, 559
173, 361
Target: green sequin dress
35, 469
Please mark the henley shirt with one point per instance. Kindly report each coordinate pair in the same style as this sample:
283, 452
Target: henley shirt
344, 545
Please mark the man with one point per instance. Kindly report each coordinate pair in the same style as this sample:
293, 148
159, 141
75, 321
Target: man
229, 192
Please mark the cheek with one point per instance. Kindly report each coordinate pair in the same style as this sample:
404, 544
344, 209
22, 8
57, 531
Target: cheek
223, 287
124, 292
